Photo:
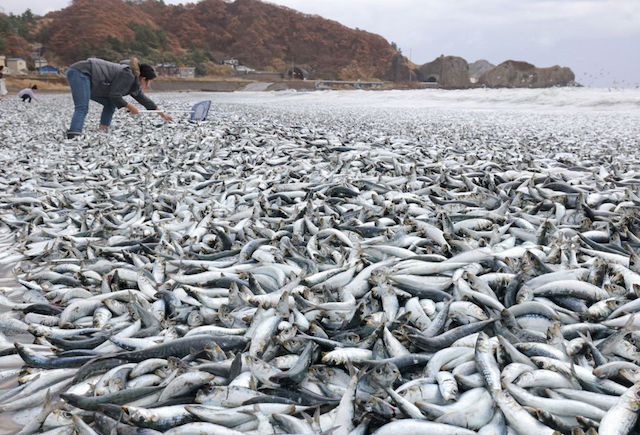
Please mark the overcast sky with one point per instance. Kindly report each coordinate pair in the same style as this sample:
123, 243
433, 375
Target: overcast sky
598, 39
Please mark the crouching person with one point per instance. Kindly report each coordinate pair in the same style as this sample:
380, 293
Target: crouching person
107, 83
27, 94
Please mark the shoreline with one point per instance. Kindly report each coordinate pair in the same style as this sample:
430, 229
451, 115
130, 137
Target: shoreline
58, 84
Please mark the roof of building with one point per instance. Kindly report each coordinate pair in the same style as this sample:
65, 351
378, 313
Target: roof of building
15, 58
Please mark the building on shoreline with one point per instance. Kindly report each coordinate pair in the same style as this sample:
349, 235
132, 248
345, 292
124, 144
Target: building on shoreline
187, 72
170, 70
230, 61
48, 69
165, 69
17, 64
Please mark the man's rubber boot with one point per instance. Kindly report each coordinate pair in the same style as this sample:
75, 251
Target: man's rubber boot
73, 134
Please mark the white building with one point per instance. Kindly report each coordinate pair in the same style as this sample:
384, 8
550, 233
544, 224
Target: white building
244, 69
230, 61
187, 72
39, 60
17, 64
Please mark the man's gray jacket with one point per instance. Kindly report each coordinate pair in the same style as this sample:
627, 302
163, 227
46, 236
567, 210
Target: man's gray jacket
115, 80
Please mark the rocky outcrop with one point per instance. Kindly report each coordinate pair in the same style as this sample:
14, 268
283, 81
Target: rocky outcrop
259, 34
446, 71
479, 67
514, 74
401, 70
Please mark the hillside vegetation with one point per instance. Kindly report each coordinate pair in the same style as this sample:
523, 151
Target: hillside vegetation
261, 35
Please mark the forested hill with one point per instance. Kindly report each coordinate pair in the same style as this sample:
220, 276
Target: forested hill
261, 35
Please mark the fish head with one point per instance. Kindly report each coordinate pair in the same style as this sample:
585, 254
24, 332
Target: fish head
163, 371
385, 374
380, 408
350, 338
287, 333
634, 260
37, 330
134, 415
214, 352
59, 417
379, 276
633, 400
525, 294
374, 321
632, 375
211, 393
615, 289
614, 303
554, 334
320, 372
195, 318
294, 344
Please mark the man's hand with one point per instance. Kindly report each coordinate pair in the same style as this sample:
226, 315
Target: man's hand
165, 116
132, 109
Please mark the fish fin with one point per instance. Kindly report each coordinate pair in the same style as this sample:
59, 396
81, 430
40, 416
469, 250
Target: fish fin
628, 326
307, 418
236, 367
316, 419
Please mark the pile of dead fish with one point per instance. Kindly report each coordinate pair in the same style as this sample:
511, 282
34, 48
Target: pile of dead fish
261, 276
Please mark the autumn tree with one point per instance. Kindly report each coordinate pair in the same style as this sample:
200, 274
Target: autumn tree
260, 35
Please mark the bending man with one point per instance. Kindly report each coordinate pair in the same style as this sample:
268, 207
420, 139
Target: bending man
107, 83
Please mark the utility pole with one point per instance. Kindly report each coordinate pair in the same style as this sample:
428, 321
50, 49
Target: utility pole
409, 69
39, 51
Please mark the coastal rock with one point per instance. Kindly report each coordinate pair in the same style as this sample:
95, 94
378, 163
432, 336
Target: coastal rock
479, 67
447, 71
515, 74
401, 69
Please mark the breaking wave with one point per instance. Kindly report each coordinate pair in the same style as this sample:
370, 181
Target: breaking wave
473, 99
